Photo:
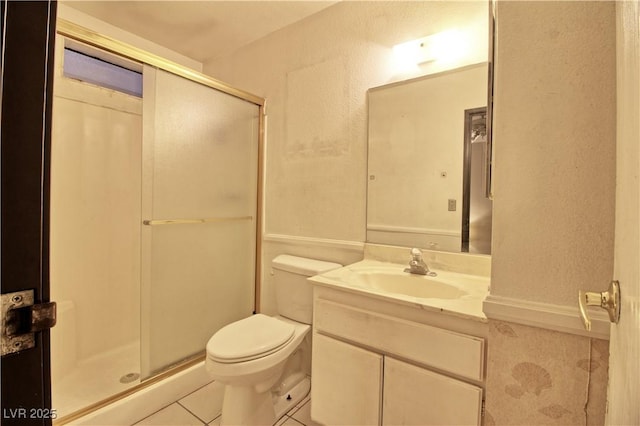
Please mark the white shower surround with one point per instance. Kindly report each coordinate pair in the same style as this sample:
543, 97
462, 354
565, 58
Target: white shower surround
145, 402
80, 338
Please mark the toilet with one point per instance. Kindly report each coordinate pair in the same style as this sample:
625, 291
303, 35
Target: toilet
261, 360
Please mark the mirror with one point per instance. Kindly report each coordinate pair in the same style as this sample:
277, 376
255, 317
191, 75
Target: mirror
429, 142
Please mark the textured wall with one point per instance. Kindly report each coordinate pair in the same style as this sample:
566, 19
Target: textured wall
542, 377
315, 75
554, 187
554, 176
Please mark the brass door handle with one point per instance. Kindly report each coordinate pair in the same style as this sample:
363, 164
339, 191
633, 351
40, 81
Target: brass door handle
608, 300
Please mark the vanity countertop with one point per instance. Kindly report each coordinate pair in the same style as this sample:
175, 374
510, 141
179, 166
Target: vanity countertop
454, 293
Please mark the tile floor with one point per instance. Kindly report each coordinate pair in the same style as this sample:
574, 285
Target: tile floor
202, 407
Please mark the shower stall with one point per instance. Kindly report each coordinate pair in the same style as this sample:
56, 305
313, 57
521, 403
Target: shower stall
154, 216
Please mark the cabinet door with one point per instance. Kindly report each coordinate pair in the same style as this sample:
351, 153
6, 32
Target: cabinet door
346, 383
416, 396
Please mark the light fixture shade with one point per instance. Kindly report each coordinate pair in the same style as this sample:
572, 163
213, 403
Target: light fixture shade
446, 46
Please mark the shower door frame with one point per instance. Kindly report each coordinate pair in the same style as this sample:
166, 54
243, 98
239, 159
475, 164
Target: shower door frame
76, 32
81, 34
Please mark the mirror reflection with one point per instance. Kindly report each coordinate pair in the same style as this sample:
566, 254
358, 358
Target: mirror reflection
427, 148
476, 206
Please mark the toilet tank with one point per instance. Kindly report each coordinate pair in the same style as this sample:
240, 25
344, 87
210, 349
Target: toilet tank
294, 293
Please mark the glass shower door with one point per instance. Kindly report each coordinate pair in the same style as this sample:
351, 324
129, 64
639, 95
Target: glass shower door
199, 205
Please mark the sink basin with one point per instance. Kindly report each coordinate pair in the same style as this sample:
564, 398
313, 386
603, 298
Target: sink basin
409, 285
451, 292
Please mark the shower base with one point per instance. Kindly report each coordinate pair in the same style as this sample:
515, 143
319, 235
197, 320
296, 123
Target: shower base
95, 379
143, 403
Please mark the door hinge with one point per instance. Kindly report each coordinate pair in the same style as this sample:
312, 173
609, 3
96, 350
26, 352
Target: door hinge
21, 319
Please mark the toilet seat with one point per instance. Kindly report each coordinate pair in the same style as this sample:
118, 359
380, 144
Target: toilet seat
254, 337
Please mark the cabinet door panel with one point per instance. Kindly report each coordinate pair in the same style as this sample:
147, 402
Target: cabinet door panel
416, 396
346, 383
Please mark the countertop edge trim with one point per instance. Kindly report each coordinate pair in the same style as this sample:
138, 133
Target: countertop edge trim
562, 318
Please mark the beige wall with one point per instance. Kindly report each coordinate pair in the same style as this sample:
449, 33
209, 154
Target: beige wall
553, 223
315, 75
554, 175
68, 13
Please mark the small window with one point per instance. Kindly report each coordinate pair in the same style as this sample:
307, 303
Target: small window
96, 71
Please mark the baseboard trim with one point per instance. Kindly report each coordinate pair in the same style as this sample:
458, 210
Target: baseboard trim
312, 241
561, 318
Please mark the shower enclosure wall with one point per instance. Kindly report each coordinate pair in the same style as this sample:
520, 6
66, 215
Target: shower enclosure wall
154, 217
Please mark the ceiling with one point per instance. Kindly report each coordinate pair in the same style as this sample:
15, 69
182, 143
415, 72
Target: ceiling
201, 30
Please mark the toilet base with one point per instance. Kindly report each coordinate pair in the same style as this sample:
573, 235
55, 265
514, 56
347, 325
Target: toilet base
242, 405
266, 407
283, 404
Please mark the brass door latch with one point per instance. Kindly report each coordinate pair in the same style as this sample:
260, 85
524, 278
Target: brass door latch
608, 300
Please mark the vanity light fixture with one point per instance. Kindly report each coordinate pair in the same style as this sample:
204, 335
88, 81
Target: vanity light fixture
445, 46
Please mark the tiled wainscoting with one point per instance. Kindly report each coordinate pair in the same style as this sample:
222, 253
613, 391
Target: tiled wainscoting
203, 406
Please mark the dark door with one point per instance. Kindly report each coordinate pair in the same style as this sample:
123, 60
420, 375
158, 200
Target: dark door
28, 30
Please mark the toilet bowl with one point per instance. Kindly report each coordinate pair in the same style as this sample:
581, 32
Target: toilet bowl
250, 373
260, 359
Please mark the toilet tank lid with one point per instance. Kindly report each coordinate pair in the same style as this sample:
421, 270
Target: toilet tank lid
302, 265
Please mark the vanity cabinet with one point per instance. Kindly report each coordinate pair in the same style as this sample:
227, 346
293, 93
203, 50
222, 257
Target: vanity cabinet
370, 368
348, 384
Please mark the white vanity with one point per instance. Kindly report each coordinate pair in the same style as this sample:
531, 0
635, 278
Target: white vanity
395, 348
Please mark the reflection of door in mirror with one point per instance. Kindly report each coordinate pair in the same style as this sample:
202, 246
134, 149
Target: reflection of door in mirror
476, 207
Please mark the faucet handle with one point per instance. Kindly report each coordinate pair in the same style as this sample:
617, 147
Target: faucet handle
416, 253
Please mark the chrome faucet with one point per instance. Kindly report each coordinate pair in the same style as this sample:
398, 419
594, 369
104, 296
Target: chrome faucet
417, 265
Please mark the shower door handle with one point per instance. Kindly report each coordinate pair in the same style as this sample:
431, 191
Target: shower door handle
150, 222
21, 319
608, 300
